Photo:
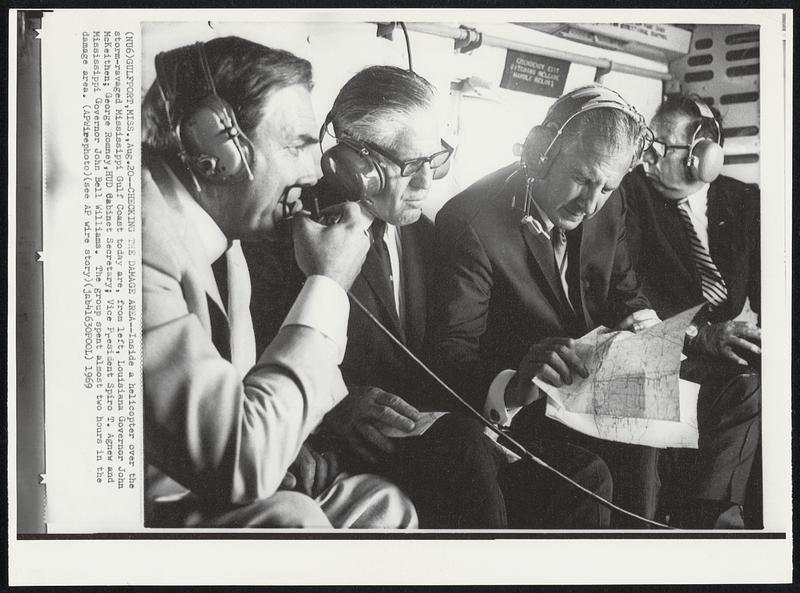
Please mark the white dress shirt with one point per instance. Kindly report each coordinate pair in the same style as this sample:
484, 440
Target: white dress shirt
698, 206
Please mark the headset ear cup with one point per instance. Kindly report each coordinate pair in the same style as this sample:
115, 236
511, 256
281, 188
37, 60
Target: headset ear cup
351, 172
533, 150
707, 158
217, 149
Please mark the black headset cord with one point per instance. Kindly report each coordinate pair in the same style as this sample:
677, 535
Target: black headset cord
521, 450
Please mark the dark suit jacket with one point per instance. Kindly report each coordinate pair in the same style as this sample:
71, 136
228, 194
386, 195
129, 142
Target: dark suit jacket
660, 251
371, 358
498, 291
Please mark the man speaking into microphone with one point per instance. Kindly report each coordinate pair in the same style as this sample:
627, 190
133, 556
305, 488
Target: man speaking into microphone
229, 136
382, 146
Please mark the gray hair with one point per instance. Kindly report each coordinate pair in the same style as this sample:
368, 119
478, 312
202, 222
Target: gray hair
374, 105
604, 130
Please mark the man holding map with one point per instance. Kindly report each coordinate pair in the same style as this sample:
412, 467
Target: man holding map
518, 288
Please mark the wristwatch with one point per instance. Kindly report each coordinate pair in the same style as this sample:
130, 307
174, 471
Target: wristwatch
692, 330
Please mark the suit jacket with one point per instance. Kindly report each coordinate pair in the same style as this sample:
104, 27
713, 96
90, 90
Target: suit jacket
224, 436
660, 250
371, 358
499, 291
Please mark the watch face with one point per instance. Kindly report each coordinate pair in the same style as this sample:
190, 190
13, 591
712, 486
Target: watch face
691, 331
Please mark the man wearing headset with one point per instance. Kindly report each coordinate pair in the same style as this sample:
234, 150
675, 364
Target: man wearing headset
533, 256
229, 139
387, 151
694, 237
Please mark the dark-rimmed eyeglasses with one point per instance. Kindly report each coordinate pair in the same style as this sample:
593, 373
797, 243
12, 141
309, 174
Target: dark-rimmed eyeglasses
658, 150
411, 166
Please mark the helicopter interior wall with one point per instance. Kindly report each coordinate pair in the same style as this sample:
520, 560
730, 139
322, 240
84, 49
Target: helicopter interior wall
484, 120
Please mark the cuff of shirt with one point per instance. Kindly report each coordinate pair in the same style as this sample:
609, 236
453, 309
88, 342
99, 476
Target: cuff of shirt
495, 407
322, 305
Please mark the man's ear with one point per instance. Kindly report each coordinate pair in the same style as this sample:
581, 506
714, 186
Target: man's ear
535, 153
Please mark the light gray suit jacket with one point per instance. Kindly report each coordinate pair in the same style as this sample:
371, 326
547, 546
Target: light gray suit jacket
224, 436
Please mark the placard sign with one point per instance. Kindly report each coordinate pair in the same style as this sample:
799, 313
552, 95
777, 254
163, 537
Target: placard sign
534, 74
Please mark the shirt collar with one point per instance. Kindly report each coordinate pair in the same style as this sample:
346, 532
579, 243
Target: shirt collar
699, 199
214, 241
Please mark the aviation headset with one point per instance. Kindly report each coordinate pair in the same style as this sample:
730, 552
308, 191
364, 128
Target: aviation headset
538, 150
542, 139
352, 168
706, 156
210, 143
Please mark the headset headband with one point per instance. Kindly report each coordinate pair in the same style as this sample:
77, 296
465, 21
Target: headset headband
208, 138
585, 99
704, 111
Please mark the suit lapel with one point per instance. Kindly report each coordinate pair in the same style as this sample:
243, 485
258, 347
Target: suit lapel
675, 234
575, 246
169, 185
374, 278
721, 233
542, 251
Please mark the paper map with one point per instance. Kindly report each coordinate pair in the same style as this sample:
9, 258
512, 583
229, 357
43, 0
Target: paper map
633, 393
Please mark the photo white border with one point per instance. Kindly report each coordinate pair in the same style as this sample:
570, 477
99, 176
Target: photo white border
480, 561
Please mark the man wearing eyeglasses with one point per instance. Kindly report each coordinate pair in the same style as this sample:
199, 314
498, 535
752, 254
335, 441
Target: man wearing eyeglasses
387, 152
694, 238
383, 149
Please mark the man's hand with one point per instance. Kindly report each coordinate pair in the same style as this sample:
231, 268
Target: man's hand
312, 472
336, 251
638, 320
360, 417
552, 360
725, 337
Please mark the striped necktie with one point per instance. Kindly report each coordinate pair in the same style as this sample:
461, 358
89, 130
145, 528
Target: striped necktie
713, 286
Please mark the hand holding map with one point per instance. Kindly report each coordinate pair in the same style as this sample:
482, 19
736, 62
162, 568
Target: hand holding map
633, 393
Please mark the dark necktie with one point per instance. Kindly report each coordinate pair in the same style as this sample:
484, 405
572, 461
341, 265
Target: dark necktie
220, 269
220, 330
378, 230
713, 286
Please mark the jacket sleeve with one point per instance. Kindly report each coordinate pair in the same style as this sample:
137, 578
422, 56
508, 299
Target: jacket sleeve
461, 308
225, 436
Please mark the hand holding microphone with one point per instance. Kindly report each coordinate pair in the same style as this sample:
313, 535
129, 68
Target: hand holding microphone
337, 250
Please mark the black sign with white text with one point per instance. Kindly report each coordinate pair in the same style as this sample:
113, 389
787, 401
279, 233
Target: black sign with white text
534, 74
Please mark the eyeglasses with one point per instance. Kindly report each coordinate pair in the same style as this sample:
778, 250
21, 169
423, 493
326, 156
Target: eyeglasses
658, 150
411, 166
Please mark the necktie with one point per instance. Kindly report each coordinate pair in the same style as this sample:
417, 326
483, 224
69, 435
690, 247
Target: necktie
378, 230
233, 336
713, 286
559, 240
220, 269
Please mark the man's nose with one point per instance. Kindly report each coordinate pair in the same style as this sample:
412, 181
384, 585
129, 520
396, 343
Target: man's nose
591, 197
309, 168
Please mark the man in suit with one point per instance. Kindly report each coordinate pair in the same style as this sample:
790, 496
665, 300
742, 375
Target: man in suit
694, 238
533, 256
388, 151
221, 427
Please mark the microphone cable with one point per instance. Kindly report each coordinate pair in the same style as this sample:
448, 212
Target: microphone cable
408, 44
521, 450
